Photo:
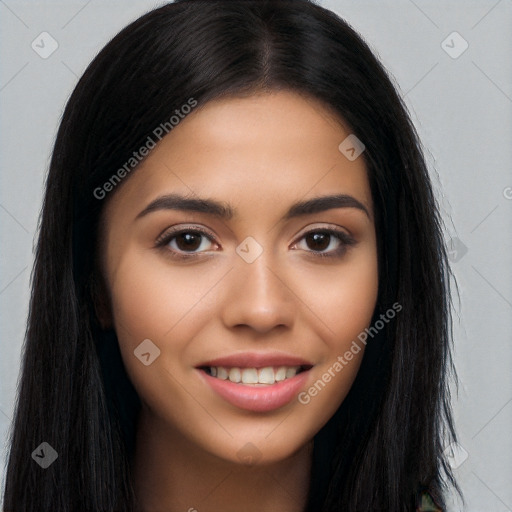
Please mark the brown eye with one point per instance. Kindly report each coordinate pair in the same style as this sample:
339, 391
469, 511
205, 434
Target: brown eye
318, 241
188, 240
327, 242
185, 242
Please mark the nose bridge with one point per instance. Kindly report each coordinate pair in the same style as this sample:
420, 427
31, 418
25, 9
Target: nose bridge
259, 296
259, 279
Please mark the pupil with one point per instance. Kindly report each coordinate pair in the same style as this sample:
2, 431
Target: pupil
188, 241
320, 241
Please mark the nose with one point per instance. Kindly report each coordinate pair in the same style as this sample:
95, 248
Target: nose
258, 296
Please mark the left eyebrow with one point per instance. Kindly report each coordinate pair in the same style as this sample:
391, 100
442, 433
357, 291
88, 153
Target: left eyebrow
320, 204
226, 211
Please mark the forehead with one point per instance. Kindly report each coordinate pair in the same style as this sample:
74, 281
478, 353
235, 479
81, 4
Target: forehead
260, 151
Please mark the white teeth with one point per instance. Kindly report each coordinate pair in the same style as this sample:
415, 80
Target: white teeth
267, 375
249, 376
235, 375
290, 372
281, 373
222, 373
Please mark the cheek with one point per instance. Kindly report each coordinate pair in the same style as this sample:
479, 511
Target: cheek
343, 298
169, 306
343, 301
150, 299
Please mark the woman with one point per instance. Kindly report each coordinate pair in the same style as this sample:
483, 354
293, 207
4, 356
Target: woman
241, 291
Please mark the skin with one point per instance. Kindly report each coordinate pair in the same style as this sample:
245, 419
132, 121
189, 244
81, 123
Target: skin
260, 154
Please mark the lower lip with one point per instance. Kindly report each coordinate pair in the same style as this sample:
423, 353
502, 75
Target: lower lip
257, 398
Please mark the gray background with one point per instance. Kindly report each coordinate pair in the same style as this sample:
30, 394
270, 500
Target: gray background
462, 110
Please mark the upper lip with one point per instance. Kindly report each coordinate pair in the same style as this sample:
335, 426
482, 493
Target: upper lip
256, 360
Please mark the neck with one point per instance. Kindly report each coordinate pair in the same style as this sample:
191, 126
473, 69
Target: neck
171, 474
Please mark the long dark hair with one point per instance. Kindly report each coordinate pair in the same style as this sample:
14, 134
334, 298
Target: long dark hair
384, 446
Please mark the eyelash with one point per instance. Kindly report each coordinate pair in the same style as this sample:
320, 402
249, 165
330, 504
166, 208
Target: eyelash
164, 239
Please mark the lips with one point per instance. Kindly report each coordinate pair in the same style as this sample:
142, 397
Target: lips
256, 381
256, 360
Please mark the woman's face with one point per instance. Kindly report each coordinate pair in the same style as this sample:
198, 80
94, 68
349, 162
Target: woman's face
250, 283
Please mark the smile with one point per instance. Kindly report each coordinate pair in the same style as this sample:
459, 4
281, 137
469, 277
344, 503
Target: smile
253, 376
258, 382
